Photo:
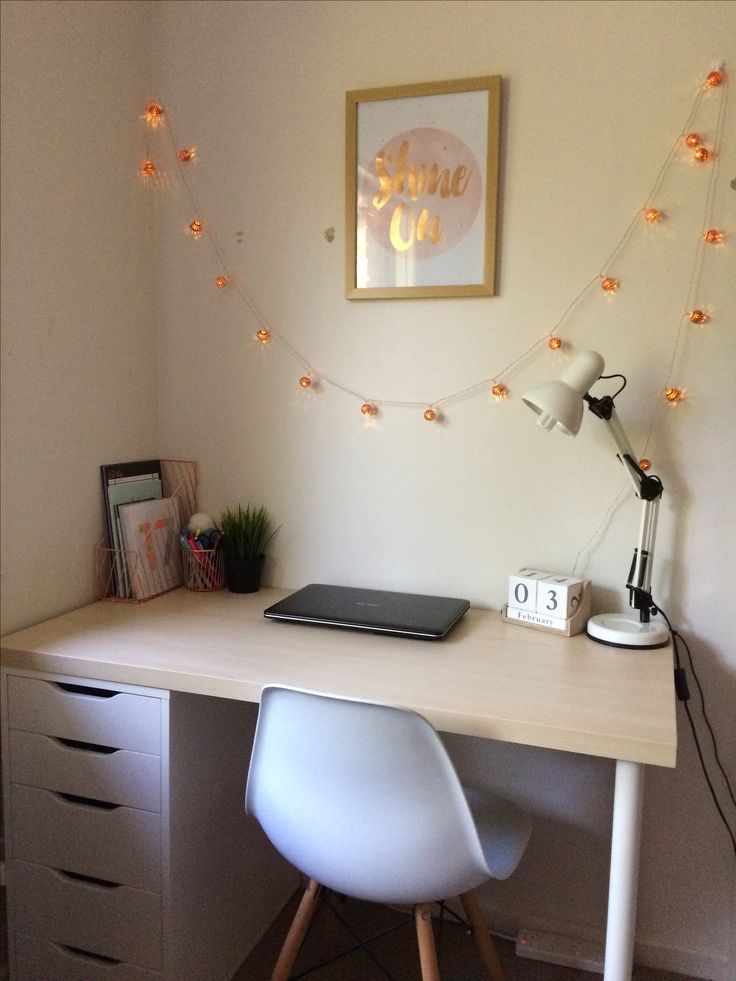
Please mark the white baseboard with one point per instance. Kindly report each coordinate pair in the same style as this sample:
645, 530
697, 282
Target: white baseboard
691, 963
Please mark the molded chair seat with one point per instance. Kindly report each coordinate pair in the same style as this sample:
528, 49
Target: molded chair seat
363, 799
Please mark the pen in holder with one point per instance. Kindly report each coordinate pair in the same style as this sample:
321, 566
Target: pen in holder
204, 567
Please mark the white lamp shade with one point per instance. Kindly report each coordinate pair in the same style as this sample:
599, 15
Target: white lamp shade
560, 403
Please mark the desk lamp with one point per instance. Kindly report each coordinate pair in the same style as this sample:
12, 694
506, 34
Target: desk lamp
559, 405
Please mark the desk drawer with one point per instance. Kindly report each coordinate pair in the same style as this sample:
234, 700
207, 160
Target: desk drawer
119, 776
42, 960
110, 921
118, 844
82, 712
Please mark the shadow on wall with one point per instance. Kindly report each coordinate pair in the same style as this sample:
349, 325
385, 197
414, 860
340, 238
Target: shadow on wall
543, 782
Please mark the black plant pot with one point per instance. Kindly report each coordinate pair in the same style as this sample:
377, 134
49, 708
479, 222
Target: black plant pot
244, 575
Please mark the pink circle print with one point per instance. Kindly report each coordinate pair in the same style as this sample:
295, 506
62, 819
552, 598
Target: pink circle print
421, 192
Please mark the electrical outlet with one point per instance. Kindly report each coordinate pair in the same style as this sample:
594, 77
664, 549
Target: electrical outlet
537, 945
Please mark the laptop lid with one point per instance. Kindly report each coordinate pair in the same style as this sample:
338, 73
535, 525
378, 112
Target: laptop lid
376, 610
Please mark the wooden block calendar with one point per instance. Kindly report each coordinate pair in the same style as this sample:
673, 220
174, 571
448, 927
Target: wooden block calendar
548, 601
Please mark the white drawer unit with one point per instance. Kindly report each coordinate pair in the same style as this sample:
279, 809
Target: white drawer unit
86, 843
129, 855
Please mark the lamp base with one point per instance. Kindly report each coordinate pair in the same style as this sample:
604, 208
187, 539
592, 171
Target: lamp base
625, 630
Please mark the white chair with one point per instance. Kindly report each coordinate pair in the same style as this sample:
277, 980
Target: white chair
363, 799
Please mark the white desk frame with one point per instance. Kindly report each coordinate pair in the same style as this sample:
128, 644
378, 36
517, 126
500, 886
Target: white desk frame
487, 678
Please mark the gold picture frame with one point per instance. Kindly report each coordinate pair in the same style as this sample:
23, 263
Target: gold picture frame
421, 189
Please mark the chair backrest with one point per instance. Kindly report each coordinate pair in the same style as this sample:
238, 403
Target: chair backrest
362, 797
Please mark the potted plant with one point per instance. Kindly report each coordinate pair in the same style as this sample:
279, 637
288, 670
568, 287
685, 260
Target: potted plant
246, 533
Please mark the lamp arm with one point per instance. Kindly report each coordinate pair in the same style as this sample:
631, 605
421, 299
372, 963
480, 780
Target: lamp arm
649, 489
639, 583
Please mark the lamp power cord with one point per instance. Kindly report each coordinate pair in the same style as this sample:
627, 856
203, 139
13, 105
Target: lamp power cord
683, 694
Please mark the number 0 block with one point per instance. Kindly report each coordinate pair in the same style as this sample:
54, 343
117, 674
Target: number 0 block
523, 588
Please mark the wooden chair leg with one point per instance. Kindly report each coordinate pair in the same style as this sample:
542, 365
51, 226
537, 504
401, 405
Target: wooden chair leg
425, 940
482, 935
297, 932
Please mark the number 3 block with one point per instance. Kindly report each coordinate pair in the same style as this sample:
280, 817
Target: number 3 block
559, 596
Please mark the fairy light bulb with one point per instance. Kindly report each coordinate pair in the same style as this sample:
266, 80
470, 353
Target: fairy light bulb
430, 415
263, 335
186, 154
652, 215
698, 317
609, 284
305, 381
148, 168
673, 395
221, 282
714, 79
693, 139
499, 391
645, 465
369, 409
714, 235
702, 154
154, 113
554, 343
195, 227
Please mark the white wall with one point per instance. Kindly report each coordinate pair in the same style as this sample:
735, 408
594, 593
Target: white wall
78, 342
594, 97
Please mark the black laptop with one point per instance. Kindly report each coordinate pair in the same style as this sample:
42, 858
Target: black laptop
376, 610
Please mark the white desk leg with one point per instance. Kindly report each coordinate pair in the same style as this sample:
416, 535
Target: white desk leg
624, 874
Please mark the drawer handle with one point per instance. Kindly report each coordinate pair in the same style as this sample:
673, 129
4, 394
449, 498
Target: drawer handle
103, 805
88, 880
85, 690
89, 747
87, 955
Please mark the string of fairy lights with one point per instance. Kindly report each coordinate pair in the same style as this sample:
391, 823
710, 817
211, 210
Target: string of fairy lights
698, 148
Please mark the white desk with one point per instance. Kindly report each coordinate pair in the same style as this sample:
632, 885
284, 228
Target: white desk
487, 679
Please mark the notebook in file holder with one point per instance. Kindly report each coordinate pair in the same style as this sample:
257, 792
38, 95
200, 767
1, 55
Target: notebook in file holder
375, 610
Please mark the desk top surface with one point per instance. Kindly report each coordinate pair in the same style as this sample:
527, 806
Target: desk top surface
487, 678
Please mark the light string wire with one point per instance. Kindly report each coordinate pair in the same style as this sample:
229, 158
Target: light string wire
699, 257
651, 198
693, 286
587, 548
483, 384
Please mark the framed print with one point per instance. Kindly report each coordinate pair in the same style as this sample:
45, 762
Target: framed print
422, 189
